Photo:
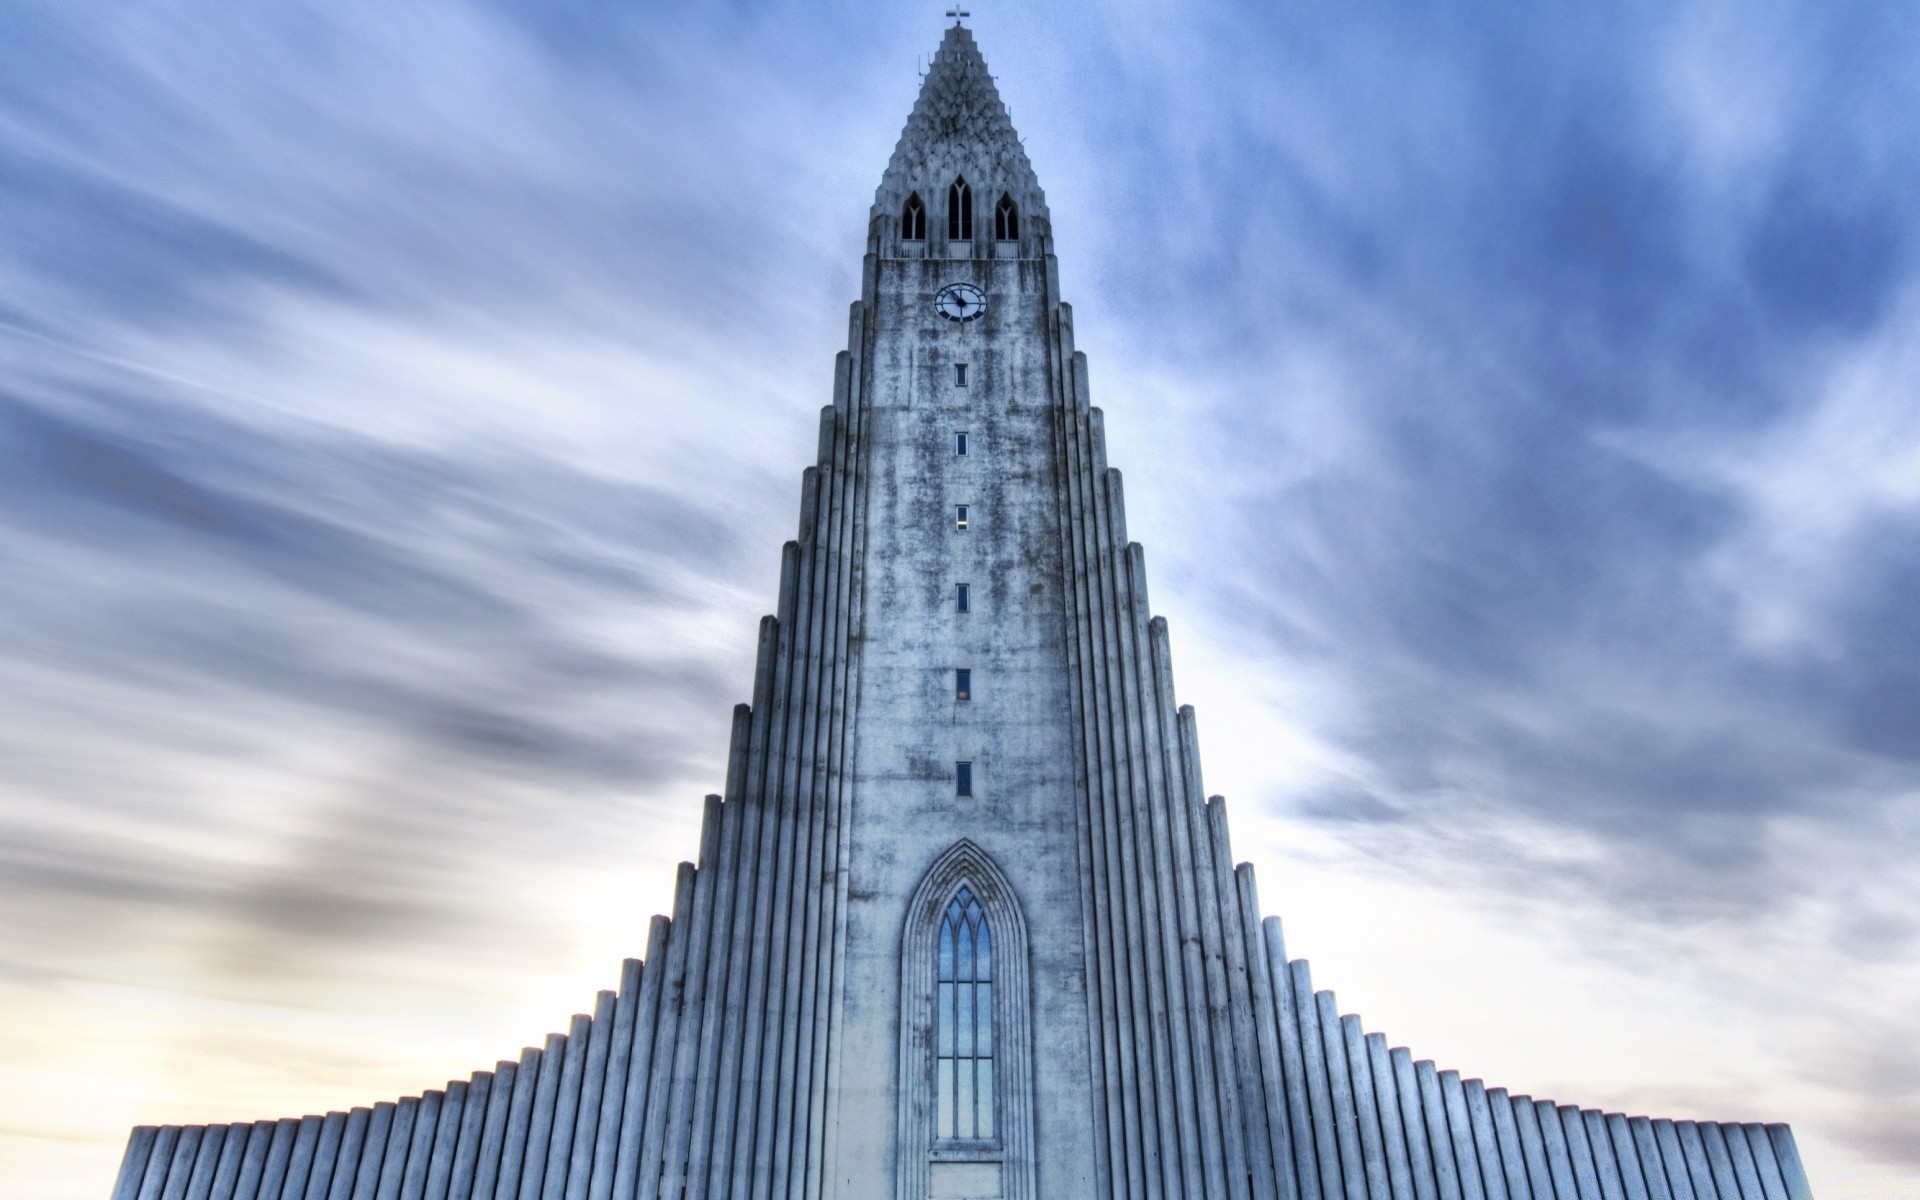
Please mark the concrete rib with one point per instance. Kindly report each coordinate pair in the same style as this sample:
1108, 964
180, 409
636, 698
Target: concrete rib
1413, 1121
1393, 1133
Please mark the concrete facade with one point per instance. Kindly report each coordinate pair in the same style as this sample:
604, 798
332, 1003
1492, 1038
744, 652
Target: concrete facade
1035, 975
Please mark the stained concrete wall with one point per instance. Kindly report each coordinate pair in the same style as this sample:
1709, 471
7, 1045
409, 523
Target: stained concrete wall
1017, 729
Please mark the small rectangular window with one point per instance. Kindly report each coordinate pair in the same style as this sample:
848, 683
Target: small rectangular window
962, 684
960, 517
963, 779
960, 444
962, 598
959, 374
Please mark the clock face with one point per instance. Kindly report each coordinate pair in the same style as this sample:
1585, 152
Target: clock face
961, 302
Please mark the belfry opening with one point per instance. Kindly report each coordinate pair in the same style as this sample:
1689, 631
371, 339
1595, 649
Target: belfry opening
959, 210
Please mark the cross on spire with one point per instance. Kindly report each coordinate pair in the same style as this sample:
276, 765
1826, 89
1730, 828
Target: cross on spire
958, 13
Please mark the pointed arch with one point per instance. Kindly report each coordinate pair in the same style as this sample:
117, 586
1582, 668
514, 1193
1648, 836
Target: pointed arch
963, 1091
1006, 219
913, 219
964, 888
959, 210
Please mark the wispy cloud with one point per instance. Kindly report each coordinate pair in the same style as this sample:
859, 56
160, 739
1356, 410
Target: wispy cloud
402, 410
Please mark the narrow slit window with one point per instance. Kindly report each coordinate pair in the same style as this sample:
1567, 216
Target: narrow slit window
962, 598
1006, 220
913, 220
959, 443
959, 374
960, 211
960, 517
962, 684
963, 779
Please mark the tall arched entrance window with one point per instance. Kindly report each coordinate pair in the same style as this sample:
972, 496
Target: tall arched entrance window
966, 1046
963, 1024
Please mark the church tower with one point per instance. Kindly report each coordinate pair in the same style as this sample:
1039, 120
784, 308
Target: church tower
964, 923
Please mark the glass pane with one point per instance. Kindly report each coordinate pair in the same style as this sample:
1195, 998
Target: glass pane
963, 1103
943, 1105
985, 1125
963, 1023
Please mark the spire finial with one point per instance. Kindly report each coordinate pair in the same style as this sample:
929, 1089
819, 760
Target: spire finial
959, 14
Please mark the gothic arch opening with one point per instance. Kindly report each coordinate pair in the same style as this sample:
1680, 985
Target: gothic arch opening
913, 220
1006, 220
959, 211
963, 1091
965, 1073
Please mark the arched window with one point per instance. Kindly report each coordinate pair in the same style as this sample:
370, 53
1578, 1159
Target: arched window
960, 211
963, 1024
965, 1115
913, 220
1006, 220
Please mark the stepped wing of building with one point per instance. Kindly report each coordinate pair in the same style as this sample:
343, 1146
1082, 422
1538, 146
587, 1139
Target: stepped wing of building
964, 922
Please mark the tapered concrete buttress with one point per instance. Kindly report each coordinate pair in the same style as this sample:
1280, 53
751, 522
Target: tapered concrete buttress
465, 1159
199, 1182
438, 1177
133, 1161
306, 1140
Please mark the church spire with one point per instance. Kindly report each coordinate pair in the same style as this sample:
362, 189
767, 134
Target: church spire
964, 921
959, 130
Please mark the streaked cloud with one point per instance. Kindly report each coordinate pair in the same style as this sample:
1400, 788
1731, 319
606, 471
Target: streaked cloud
403, 409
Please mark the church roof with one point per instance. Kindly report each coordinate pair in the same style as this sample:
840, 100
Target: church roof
959, 126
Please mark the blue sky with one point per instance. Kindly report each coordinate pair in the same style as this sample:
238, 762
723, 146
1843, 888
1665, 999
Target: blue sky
402, 407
